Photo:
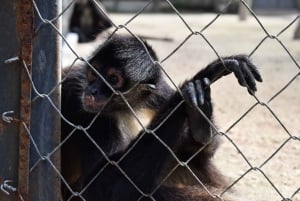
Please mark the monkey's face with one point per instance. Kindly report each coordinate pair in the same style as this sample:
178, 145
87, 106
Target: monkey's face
123, 74
101, 85
109, 89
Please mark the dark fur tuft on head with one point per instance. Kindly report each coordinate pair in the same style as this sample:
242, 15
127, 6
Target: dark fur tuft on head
130, 55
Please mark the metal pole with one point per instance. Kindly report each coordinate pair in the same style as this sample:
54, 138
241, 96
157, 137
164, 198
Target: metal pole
25, 30
44, 183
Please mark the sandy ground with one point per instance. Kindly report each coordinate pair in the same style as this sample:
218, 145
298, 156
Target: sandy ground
266, 129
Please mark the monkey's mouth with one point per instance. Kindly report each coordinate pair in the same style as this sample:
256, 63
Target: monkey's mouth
91, 104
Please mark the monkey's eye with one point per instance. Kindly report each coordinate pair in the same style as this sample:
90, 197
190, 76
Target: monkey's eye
114, 77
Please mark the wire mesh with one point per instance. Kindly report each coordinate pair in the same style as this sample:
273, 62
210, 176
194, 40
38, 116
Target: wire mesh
290, 137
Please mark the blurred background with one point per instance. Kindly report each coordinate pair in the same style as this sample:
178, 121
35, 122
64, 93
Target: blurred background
203, 5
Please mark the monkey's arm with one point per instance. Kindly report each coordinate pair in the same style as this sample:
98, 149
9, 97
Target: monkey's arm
199, 110
244, 70
198, 97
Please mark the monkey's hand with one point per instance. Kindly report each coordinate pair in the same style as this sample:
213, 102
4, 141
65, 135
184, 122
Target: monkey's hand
244, 70
199, 109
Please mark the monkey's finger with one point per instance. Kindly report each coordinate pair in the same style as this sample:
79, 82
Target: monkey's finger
200, 92
206, 82
189, 93
248, 76
239, 75
251, 66
231, 64
254, 71
206, 87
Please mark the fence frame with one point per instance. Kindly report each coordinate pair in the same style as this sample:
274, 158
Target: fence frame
28, 64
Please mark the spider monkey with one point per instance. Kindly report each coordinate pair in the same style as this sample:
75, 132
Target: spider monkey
87, 20
97, 99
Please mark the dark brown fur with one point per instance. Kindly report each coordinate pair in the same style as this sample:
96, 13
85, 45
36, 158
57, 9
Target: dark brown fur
116, 129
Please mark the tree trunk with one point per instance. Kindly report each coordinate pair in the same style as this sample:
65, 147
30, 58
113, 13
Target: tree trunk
297, 31
243, 10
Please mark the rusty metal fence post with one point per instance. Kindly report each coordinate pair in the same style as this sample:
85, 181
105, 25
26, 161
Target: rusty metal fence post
29, 58
10, 79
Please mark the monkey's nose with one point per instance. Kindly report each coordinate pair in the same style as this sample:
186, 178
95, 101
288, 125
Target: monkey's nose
94, 91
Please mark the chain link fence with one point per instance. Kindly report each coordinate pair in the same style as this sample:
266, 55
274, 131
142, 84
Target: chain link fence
39, 173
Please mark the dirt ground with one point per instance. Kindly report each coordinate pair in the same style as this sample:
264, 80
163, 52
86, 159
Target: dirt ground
265, 132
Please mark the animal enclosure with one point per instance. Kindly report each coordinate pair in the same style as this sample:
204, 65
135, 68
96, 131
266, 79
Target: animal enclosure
260, 134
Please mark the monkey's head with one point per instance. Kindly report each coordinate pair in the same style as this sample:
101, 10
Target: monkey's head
123, 65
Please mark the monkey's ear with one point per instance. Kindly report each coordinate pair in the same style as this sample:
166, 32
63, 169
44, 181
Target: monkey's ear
149, 87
